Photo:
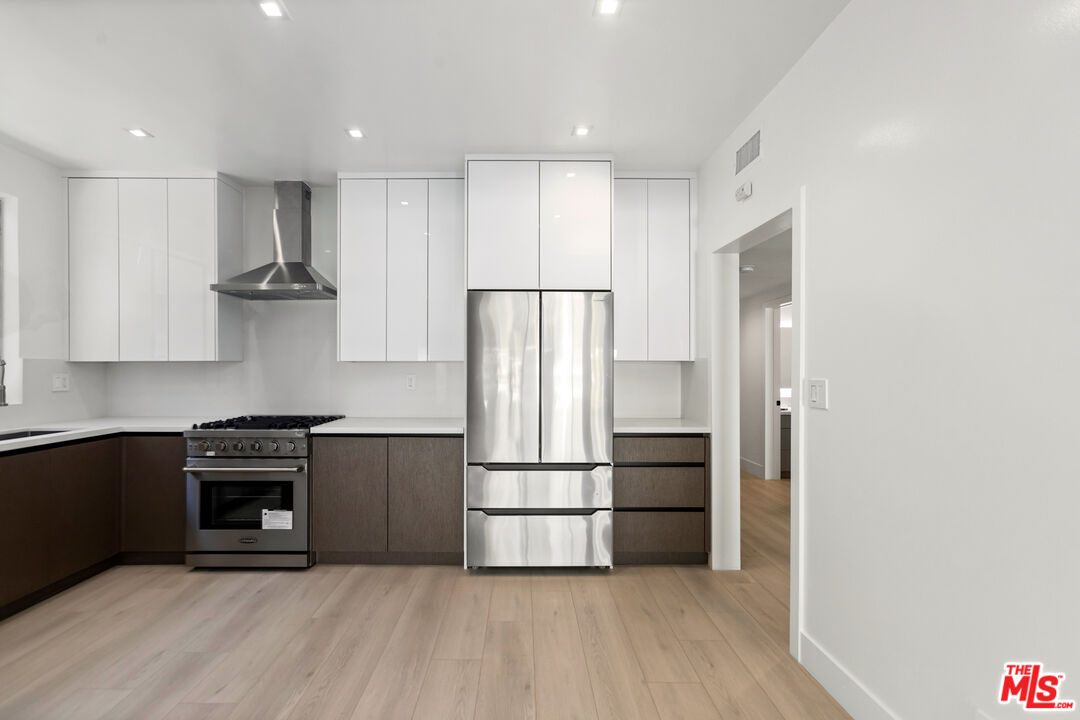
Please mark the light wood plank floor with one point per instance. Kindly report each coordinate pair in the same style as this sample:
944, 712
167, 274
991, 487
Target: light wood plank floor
422, 642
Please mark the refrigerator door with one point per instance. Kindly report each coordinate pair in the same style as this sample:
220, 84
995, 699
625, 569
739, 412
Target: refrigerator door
576, 377
503, 406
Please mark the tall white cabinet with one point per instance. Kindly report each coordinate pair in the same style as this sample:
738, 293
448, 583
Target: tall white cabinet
142, 254
401, 250
539, 224
653, 273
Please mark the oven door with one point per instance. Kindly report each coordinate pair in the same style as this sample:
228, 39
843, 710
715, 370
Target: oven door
247, 505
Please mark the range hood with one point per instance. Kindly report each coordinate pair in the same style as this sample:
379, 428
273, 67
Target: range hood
290, 276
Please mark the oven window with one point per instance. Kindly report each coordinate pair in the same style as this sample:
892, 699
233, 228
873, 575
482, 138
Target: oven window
239, 505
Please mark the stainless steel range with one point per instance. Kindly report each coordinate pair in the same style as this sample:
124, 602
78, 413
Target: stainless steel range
248, 491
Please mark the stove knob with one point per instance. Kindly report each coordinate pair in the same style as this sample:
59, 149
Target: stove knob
221, 446
256, 446
273, 446
238, 446
292, 446
204, 446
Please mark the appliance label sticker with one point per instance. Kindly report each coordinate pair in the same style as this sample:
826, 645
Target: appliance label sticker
277, 519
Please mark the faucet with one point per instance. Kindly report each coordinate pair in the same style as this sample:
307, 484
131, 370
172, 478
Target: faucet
3, 389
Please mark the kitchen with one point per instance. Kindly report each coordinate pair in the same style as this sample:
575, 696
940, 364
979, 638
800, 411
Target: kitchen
376, 360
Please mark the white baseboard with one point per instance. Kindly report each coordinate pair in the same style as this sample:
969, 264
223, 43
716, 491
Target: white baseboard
754, 468
841, 684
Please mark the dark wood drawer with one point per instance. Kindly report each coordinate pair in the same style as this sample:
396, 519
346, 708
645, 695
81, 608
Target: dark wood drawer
659, 487
659, 531
659, 449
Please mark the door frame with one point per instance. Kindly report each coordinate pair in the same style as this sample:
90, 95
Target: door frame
723, 268
772, 464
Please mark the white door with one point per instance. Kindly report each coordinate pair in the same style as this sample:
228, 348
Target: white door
362, 270
192, 269
575, 225
93, 255
630, 269
504, 230
669, 270
144, 269
446, 270
406, 270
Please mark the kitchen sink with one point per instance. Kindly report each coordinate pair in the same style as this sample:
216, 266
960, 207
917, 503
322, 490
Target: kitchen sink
20, 434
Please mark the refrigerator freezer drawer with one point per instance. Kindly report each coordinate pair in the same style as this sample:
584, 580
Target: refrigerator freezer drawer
539, 489
539, 540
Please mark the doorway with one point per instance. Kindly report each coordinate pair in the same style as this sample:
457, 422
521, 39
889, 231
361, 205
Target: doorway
771, 290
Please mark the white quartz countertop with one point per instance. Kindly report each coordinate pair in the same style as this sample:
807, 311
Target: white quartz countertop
391, 426
95, 427
660, 426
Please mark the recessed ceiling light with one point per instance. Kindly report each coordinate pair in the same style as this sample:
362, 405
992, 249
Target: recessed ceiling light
273, 9
746, 268
404, 202
607, 7
139, 133
355, 133
580, 130
571, 174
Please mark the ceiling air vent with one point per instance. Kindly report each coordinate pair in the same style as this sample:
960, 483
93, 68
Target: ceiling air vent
748, 152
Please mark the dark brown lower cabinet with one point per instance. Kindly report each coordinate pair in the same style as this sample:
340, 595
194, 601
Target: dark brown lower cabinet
654, 536
379, 499
24, 528
426, 494
152, 506
86, 484
348, 487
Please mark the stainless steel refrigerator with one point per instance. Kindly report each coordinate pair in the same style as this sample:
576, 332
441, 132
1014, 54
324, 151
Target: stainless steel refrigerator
539, 429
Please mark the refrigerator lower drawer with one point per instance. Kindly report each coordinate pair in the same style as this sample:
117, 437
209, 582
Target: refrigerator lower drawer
539, 540
539, 489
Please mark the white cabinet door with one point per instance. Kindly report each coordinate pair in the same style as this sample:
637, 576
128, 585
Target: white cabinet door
504, 230
669, 270
362, 270
630, 269
575, 225
192, 269
144, 269
406, 270
93, 255
446, 270
230, 261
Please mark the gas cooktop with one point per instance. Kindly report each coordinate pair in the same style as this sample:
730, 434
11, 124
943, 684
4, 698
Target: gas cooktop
267, 422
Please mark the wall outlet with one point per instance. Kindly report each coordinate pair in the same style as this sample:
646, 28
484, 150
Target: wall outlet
61, 382
410, 382
817, 393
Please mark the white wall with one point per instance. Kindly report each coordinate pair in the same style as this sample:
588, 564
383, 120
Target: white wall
290, 351
41, 277
752, 379
938, 148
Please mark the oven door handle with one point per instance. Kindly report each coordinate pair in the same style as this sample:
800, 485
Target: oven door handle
298, 468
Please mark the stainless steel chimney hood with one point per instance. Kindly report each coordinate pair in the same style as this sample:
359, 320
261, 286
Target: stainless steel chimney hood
290, 276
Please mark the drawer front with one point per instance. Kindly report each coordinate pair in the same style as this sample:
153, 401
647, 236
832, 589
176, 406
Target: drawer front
785, 420
539, 489
659, 531
654, 449
539, 540
658, 487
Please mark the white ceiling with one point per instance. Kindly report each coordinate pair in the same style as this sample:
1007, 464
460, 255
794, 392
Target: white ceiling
772, 267
224, 88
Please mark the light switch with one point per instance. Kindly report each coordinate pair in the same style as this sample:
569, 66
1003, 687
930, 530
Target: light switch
61, 382
817, 393
410, 382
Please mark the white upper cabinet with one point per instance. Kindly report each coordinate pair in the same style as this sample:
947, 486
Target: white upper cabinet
144, 269
401, 267
93, 259
446, 270
504, 224
575, 225
143, 253
630, 269
669, 270
362, 269
652, 278
406, 270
